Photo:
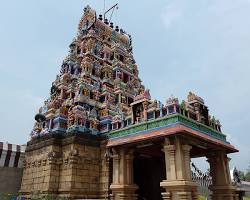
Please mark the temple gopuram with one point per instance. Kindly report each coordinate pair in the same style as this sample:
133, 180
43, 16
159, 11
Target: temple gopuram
99, 135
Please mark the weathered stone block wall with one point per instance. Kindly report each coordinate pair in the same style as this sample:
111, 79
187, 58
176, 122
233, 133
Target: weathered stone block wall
80, 171
10, 179
73, 167
41, 170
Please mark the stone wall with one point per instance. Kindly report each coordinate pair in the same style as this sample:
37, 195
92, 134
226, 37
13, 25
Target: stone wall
72, 166
10, 179
11, 162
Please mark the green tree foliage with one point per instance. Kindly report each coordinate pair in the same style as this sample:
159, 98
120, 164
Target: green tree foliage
241, 175
247, 175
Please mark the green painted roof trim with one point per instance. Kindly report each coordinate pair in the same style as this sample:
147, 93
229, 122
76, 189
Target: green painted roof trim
167, 121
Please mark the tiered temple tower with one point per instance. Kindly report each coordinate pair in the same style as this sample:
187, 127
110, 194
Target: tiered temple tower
99, 119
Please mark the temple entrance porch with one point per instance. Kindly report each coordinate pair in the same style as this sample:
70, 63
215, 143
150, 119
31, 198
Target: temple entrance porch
159, 168
149, 171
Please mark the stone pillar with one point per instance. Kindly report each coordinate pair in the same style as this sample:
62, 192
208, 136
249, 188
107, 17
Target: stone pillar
104, 172
179, 185
186, 154
145, 109
50, 123
123, 187
119, 98
222, 187
62, 93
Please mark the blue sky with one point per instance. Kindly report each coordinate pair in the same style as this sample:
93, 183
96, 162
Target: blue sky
179, 45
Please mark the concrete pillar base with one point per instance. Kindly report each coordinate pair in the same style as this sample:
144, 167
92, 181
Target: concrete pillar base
179, 190
123, 192
184, 195
223, 192
166, 195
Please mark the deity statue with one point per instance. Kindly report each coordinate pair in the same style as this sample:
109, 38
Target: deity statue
90, 45
94, 124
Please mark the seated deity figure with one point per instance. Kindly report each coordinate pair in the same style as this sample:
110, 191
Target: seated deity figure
138, 115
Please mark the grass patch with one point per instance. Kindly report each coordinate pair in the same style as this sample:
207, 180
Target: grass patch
201, 198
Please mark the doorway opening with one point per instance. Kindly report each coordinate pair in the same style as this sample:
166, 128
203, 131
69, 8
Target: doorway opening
149, 171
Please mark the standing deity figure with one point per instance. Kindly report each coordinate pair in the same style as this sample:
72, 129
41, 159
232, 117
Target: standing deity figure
85, 92
94, 124
138, 115
90, 45
71, 117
